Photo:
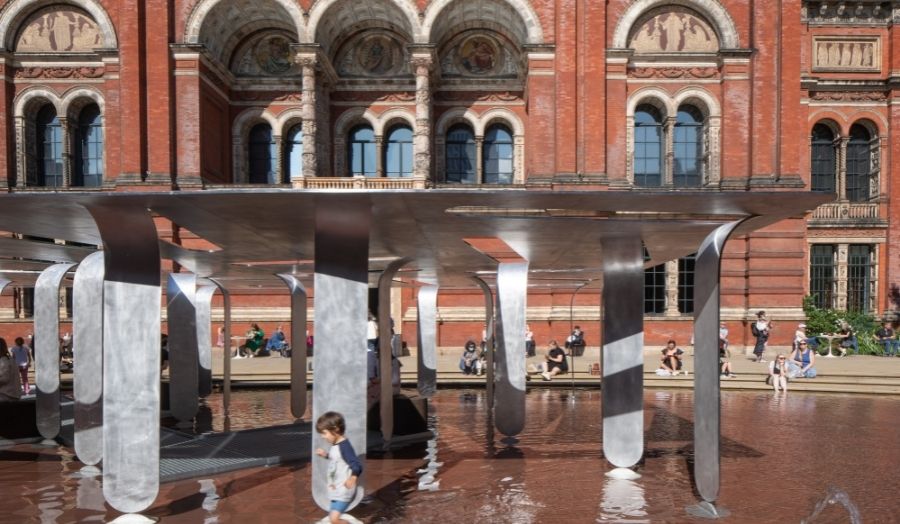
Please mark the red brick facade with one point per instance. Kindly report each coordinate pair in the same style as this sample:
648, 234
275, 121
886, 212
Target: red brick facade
181, 84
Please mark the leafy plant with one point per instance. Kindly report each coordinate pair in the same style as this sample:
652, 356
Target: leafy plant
828, 320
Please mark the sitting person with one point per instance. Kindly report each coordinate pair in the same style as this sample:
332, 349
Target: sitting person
468, 363
254, 341
885, 337
671, 358
277, 342
555, 362
724, 363
778, 373
802, 362
848, 336
801, 335
10, 384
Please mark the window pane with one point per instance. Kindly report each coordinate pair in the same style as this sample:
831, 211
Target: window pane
293, 153
688, 148
498, 155
49, 133
362, 151
460, 155
858, 164
821, 275
87, 164
647, 146
686, 284
398, 154
262, 155
823, 163
655, 289
859, 277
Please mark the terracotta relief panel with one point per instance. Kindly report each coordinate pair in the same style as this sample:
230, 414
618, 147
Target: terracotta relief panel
268, 54
479, 55
59, 29
836, 53
373, 54
673, 30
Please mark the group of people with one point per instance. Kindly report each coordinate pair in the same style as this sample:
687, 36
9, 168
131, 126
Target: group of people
256, 344
474, 359
14, 365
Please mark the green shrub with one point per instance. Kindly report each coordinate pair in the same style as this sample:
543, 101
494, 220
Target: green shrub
827, 320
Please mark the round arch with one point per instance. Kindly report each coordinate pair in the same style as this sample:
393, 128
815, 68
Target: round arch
391, 117
708, 103
455, 116
874, 122
26, 100
833, 121
498, 116
321, 7
77, 98
240, 131
711, 9
654, 96
288, 119
15, 13
195, 21
527, 13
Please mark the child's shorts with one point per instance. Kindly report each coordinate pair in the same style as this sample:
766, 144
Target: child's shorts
339, 506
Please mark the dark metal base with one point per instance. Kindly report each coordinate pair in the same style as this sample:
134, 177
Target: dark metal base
707, 510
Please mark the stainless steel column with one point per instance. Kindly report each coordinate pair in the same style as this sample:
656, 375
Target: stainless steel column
706, 367
385, 340
131, 300
622, 401
183, 358
203, 310
512, 294
298, 344
46, 350
226, 352
426, 361
87, 352
489, 342
341, 305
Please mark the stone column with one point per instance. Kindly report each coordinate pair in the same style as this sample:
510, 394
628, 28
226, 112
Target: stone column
841, 183
422, 63
308, 63
379, 156
65, 125
672, 288
479, 159
279, 159
21, 157
668, 168
841, 296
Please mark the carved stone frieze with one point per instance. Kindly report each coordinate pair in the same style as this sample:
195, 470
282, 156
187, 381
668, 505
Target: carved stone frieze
59, 72
373, 96
846, 13
468, 96
673, 29
673, 72
59, 29
848, 96
846, 54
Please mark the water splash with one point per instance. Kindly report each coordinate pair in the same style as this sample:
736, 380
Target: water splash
834, 495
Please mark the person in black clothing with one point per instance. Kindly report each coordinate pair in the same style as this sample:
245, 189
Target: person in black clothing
575, 343
555, 362
885, 337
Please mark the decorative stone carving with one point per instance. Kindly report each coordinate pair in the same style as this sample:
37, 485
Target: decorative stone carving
372, 54
266, 55
467, 96
479, 55
846, 13
673, 72
59, 72
59, 29
835, 53
849, 96
673, 29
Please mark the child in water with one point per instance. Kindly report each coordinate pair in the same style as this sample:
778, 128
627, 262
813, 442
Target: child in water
344, 467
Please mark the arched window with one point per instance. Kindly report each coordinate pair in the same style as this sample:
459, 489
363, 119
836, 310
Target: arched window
362, 151
398, 154
293, 153
688, 144
498, 155
647, 146
823, 161
87, 168
50, 148
859, 163
460, 155
262, 155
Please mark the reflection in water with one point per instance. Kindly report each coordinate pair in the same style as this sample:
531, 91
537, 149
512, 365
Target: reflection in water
511, 504
832, 497
623, 501
89, 495
49, 504
208, 488
427, 481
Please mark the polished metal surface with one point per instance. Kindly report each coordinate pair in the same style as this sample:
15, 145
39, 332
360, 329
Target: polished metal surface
298, 343
489, 339
203, 312
512, 292
131, 336
707, 414
46, 348
623, 351
385, 344
87, 351
181, 295
37, 250
341, 305
426, 360
226, 351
